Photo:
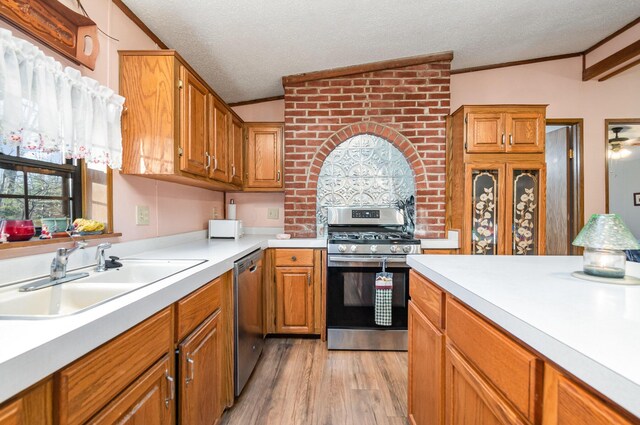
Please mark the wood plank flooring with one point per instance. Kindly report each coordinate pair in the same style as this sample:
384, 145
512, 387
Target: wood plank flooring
300, 382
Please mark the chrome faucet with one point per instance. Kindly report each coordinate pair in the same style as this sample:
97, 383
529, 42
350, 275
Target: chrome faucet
102, 263
59, 263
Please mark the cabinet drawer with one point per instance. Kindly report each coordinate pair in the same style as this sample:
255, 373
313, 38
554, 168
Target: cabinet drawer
196, 307
94, 380
513, 370
294, 257
428, 298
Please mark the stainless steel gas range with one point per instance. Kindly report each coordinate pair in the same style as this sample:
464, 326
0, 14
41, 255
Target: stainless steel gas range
363, 241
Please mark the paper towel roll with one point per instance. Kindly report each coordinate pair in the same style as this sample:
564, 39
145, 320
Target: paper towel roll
231, 211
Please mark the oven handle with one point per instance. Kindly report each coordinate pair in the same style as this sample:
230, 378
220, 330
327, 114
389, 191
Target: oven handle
350, 261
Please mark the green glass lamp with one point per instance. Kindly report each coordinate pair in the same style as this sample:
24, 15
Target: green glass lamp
604, 238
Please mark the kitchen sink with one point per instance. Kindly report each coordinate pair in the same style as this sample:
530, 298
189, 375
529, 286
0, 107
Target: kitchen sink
79, 295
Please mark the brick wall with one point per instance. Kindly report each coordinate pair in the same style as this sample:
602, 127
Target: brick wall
406, 106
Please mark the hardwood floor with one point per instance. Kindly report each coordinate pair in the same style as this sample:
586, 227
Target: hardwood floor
300, 382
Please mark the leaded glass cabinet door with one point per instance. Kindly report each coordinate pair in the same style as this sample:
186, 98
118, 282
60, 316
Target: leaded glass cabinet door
484, 212
525, 213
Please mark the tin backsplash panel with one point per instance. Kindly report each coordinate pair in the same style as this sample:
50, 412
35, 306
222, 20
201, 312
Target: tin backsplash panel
363, 171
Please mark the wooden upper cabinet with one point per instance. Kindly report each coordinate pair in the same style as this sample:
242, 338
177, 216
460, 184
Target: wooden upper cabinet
526, 131
218, 141
485, 132
194, 101
510, 129
264, 156
236, 152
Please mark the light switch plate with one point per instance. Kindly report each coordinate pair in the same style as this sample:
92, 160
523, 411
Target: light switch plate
142, 215
273, 213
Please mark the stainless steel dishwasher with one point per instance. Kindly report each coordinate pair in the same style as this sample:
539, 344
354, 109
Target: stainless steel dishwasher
249, 339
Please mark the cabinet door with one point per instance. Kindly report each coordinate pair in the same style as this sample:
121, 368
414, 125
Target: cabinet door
236, 153
470, 400
12, 413
483, 228
148, 400
218, 141
426, 373
264, 157
525, 132
200, 382
194, 120
485, 132
294, 300
525, 215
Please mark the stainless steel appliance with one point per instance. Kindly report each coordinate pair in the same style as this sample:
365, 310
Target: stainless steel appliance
247, 295
360, 241
227, 229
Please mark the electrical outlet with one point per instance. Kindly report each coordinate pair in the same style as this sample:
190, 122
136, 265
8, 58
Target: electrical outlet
142, 215
273, 213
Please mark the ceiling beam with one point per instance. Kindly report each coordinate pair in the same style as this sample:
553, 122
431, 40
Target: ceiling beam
252, 101
620, 70
367, 67
515, 63
612, 61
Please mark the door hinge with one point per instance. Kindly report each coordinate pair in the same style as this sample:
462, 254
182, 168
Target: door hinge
570, 153
179, 84
466, 118
180, 152
465, 146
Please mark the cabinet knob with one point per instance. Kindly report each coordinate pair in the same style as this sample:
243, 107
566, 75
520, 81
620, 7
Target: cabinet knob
294, 258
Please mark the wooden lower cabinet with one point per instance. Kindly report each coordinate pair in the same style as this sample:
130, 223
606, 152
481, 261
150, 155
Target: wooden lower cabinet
470, 399
426, 370
200, 382
294, 300
149, 400
32, 407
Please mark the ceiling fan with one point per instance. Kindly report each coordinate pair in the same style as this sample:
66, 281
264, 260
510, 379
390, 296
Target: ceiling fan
618, 144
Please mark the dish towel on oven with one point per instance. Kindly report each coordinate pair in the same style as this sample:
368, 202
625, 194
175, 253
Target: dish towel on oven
384, 295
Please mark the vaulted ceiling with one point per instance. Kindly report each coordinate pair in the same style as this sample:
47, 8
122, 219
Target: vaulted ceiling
243, 48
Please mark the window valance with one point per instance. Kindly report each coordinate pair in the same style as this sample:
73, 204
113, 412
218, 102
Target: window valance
46, 107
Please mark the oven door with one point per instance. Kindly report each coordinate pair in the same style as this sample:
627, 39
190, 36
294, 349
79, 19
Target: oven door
351, 291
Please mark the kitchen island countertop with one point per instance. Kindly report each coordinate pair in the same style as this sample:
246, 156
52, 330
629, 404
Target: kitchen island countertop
592, 330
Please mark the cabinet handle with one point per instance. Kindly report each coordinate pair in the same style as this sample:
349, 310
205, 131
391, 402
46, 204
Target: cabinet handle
206, 154
191, 365
278, 176
172, 388
503, 138
294, 258
308, 279
511, 139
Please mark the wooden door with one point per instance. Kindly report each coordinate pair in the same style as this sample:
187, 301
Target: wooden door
148, 400
236, 151
294, 300
525, 132
194, 124
485, 132
200, 382
566, 402
483, 225
218, 141
426, 370
470, 400
12, 414
525, 208
264, 157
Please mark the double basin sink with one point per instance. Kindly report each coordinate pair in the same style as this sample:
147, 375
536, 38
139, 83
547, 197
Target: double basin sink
82, 294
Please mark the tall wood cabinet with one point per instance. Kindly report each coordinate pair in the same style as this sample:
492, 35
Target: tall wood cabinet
264, 165
496, 179
175, 127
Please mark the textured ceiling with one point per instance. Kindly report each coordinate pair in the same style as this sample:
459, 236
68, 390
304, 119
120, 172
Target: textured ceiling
242, 48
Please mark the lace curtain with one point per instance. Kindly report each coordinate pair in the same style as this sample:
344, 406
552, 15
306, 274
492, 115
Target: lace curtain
47, 108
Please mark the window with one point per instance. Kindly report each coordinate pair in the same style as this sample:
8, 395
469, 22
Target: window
36, 185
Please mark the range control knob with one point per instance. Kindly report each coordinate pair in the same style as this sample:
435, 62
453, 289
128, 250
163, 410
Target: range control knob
374, 248
406, 248
354, 248
393, 249
342, 248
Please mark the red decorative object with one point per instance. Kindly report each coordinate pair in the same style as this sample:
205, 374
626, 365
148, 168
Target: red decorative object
19, 230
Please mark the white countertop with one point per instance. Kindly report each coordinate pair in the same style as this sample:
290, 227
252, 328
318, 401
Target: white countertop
31, 350
590, 329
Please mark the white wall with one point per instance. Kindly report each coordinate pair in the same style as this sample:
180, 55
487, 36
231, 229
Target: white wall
624, 181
